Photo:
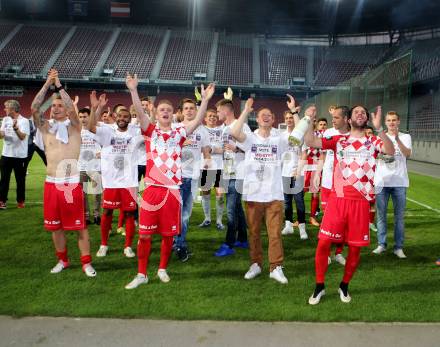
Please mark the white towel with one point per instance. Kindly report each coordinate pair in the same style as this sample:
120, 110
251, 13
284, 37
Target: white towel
60, 128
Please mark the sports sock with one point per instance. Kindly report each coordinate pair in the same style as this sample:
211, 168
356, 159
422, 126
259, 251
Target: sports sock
372, 215
106, 225
86, 259
339, 248
206, 204
321, 259
314, 203
121, 219
318, 288
165, 251
63, 256
219, 208
129, 231
143, 253
353, 258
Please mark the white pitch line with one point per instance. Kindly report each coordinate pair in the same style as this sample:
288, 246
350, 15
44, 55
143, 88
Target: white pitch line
423, 205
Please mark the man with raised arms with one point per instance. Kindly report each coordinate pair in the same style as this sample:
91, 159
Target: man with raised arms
63, 195
161, 202
346, 218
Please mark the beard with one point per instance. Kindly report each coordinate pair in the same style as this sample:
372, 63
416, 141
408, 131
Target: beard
358, 125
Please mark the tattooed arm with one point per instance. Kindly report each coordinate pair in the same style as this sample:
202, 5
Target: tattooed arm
39, 120
68, 103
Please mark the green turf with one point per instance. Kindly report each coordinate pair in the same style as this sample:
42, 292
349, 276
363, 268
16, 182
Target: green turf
383, 289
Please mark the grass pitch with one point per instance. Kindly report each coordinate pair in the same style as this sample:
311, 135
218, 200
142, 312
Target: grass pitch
383, 289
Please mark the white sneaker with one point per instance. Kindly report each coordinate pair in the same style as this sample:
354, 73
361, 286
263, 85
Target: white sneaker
339, 258
138, 280
89, 270
278, 275
329, 260
344, 299
288, 229
163, 276
399, 253
253, 271
315, 300
102, 251
302, 231
59, 267
373, 227
128, 252
379, 250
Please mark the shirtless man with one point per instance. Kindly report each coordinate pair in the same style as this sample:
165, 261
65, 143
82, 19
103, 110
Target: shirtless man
63, 195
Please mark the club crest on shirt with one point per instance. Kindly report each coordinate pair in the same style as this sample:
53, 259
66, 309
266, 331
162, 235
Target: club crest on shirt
274, 150
254, 148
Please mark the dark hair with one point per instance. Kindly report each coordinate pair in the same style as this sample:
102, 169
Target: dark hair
104, 112
369, 127
186, 101
345, 110
145, 98
84, 110
366, 111
322, 120
117, 106
225, 102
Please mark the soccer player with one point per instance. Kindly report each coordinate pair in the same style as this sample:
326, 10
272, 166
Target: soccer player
90, 167
291, 172
63, 195
15, 131
195, 144
340, 117
233, 157
262, 190
119, 173
391, 179
161, 202
213, 176
346, 218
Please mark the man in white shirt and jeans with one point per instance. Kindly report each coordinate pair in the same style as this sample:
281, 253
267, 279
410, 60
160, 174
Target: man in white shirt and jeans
15, 132
263, 189
391, 179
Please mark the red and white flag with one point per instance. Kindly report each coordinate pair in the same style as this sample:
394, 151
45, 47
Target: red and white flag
119, 9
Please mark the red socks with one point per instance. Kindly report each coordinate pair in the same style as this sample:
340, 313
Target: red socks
372, 215
106, 225
143, 253
165, 251
353, 258
86, 259
314, 204
121, 218
63, 257
129, 231
339, 248
321, 259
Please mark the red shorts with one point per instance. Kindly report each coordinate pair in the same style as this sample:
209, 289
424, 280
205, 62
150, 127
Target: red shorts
123, 198
325, 195
160, 211
346, 221
63, 206
308, 182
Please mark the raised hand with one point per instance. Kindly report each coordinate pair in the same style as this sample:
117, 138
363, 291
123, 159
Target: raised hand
76, 100
207, 92
376, 118
94, 102
131, 81
248, 105
51, 77
291, 104
103, 100
228, 94
310, 112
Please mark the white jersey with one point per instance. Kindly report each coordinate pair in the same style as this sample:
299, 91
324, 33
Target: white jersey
89, 155
215, 141
118, 164
233, 162
290, 157
262, 168
192, 154
13, 147
393, 173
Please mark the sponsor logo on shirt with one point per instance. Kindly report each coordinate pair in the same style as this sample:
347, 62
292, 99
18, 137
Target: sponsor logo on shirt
148, 227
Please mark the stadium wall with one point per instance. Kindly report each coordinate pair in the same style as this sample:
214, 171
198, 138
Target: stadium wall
426, 151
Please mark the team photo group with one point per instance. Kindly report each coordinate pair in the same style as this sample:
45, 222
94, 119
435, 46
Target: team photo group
151, 160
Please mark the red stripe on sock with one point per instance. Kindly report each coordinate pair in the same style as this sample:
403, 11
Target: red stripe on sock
165, 251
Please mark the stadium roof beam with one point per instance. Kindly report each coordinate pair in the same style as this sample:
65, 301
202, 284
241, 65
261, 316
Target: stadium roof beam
10, 36
160, 56
106, 52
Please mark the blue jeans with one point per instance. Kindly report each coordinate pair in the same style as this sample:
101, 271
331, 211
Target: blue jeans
398, 195
236, 228
186, 193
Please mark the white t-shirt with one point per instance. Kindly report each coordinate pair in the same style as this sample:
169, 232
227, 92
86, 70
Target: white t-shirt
192, 154
13, 147
215, 141
290, 156
327, 169
395, 173
236, 170
262, 168
118, 164
89, 153
273, 131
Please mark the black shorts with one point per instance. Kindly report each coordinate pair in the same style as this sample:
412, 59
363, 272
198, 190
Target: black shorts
210, 178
